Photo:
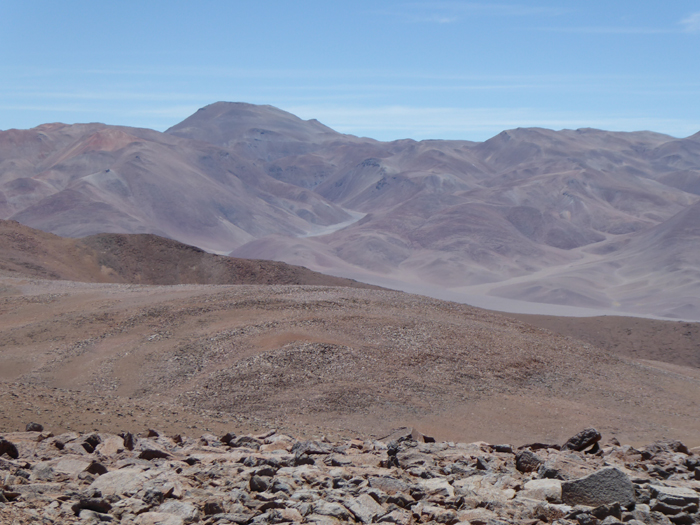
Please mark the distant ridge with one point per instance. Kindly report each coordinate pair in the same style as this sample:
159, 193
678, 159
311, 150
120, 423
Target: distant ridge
532, 214
138, 259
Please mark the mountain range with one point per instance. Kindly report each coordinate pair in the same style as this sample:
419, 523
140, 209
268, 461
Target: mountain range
588, 218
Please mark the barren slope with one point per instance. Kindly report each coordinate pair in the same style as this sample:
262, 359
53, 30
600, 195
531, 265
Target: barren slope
138, 259
90, 178
655, 272
320, 358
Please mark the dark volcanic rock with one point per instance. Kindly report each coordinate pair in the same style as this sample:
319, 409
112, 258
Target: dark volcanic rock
8, 448
582, 440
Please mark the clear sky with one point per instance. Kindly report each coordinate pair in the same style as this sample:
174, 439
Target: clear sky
388, 70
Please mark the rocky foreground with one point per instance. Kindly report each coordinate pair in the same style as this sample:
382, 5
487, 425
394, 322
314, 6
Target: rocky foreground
403, 478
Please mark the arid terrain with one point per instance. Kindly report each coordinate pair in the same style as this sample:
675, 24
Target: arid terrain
583, 218
279, 401
318, 360
140, 342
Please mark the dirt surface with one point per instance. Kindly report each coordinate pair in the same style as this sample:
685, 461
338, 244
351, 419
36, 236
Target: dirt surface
675, 342
314, 360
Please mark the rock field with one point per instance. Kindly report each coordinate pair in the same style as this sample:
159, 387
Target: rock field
406, 477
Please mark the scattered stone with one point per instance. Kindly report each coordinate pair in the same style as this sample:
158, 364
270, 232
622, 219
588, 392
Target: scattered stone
663, 446
34, 427
205, 481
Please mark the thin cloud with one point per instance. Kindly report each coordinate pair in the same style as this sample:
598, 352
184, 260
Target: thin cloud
691, 24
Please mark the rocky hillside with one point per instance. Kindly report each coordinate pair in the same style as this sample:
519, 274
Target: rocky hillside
138, 259
403, 478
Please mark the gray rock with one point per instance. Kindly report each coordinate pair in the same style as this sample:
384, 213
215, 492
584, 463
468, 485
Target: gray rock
542, 489
610, 520
605, 486
245, 441
126, 481
400, 517
665, 508
259, 483
527, 461
605, 511
676, 496
42, 472
436, 487
240, 518
158, 518
212, 507
90, 515
334, 510
507, 449
365, 508
150, 450
129, 440
132, 506
94, 504
388, 484
663, 446
187, 511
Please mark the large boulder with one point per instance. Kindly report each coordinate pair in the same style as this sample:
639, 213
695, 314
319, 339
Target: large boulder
583, 440
125, 481
609, 485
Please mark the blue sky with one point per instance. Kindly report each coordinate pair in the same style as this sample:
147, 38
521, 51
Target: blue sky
388, 70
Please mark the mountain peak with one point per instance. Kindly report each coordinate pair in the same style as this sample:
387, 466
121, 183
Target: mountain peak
224, 123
